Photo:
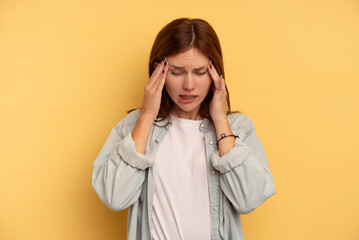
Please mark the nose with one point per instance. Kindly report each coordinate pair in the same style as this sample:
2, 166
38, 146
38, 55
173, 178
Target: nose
188, 83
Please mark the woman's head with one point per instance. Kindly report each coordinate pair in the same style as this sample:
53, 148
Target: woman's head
188, 82
178, 37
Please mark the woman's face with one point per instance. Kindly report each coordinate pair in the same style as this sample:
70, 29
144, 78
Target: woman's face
188, 82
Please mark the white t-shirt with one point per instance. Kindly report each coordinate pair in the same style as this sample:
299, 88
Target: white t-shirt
181, 204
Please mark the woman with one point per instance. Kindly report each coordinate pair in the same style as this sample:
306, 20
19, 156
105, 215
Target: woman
184, 164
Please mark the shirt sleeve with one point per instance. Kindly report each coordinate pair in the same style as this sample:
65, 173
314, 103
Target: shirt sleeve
245, 177
119, 171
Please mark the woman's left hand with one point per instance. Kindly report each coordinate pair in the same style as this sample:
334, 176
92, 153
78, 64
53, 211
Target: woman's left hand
218, 105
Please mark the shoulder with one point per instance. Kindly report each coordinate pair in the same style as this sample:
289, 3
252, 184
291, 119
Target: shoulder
128, 122
240, 122
133, 116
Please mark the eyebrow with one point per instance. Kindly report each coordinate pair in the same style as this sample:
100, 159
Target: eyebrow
182, 68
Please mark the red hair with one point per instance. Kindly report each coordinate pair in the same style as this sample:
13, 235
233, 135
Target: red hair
178, 36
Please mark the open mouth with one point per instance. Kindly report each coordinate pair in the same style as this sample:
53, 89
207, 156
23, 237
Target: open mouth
187, 98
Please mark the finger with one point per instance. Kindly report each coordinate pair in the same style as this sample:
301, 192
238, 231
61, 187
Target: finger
156, 73
214, 75
161, 82
223, 84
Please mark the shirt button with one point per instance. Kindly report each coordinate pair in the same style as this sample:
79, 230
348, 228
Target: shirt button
202, 125
156, 141
210, 142
213, 172
215, 208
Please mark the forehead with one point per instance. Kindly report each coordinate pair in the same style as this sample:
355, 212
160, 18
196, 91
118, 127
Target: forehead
191, 58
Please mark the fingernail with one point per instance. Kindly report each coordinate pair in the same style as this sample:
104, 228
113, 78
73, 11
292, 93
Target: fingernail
165, 63
163, 71
210, 65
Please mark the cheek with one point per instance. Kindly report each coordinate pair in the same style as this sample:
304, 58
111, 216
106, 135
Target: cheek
206, 83
171, 85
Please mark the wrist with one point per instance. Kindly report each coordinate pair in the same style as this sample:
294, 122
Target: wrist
223, 136
220, 120
147, 117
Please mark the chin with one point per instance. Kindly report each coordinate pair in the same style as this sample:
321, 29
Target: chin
188, 109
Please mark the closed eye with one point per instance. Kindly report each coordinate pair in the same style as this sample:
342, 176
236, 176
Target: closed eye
202, 73
175, 73
179, 73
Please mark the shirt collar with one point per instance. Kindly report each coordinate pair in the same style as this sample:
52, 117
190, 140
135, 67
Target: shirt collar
204, 124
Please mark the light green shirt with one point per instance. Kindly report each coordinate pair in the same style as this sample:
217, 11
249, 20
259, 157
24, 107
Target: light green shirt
239, 181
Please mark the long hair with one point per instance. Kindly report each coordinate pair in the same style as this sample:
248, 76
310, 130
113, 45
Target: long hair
178, 36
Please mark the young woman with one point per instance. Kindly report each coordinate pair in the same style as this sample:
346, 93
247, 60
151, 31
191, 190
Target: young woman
184, 164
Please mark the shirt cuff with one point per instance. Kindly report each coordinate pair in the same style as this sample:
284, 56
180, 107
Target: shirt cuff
127, 150
232, 159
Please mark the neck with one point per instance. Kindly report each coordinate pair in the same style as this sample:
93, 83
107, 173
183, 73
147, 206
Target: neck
185, 115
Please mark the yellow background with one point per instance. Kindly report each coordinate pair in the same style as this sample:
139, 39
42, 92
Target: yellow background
69, 70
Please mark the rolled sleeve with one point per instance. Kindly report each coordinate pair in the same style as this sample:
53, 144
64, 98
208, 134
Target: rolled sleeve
127, 150
232, 159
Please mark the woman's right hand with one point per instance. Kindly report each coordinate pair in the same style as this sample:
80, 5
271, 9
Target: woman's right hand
150, 107
153, 91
